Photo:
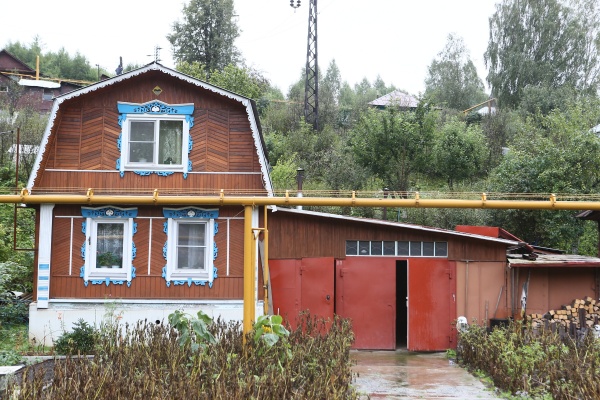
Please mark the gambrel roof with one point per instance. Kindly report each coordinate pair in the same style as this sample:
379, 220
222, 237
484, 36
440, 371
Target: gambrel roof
247, 103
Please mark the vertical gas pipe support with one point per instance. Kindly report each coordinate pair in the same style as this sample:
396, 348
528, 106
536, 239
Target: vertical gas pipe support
266, 273
249, 308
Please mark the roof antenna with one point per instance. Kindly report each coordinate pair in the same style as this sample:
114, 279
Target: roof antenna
119, 69
156, 54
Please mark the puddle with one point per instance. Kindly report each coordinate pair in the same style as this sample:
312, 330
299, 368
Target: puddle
406, 375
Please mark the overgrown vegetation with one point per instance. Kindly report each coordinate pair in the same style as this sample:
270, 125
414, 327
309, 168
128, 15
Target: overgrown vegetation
532, 363
149, 361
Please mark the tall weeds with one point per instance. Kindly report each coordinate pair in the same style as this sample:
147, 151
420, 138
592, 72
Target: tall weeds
534, 363
146, 362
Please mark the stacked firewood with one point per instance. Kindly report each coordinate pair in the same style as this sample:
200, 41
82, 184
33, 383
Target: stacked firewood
582, 313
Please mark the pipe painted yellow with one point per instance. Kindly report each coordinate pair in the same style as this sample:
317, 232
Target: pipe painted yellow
266, 281
188, 200
249, 310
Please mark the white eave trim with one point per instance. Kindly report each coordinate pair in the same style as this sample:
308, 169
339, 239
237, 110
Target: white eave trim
157, 67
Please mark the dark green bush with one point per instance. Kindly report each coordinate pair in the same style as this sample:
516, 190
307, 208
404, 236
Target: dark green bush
81, 340
146, 361
13, 311
538, 363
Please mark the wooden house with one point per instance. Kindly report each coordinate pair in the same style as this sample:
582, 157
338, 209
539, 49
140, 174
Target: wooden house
149, 129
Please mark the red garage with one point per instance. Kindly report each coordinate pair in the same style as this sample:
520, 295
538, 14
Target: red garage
402, 285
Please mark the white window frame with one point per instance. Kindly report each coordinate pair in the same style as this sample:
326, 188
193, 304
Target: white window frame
90, 271
178, 276
154, 165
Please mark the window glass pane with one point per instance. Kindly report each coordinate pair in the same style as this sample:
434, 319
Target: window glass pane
403, 249
376, 248
428, 249
190, 257
415, 248
191, 234
109, 245
142, 131
141, 142
169, 142
47, 94
389, 248
351, 248
441, 249
363, 248
191, 246
141, 152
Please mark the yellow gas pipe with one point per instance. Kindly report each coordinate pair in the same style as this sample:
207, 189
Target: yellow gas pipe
249, 202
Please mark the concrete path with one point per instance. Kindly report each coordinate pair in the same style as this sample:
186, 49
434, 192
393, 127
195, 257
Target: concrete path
404, 375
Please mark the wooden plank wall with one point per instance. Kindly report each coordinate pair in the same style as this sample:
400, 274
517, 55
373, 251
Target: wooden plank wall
299, 235
82, 150
68, 237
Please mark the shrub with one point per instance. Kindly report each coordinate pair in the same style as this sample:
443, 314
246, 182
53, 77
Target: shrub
80, 341
9, 357
13, 311
147, 361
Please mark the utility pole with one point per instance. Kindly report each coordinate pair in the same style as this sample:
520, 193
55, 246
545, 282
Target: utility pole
311, 85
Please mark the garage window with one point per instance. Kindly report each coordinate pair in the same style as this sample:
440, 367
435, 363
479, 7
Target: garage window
396, 248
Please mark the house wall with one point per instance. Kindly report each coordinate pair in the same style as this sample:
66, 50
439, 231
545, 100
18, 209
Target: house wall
551, 288
66, 259
482, 290
300, 235
83, 152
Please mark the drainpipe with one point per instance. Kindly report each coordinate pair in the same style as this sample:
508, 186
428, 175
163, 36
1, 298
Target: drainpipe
467, 290
299, 179
249, 275
386, 192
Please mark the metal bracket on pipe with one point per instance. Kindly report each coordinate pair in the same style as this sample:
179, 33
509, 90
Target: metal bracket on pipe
417, 197
287, 196
553, 199
24, 192
89, 194
353, 197
155, 196
222, 196
483, 199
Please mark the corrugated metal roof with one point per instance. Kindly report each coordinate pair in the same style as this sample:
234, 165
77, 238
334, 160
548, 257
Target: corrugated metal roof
397, 225
396, 98
552, 261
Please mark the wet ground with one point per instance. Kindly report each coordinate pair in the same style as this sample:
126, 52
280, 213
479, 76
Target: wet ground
405, 375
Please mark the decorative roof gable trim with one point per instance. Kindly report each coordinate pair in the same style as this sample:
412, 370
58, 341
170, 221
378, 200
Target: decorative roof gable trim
246, 102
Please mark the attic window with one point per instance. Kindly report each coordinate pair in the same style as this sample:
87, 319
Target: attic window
155, 138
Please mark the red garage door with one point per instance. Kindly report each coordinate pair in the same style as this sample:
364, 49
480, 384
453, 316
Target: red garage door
366, 293
431, 304
305, 284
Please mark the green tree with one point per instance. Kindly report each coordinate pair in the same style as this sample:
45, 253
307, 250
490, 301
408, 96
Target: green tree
555, 154
206, 34
393, 144
452, 78
241, 80
459, 152
550, 43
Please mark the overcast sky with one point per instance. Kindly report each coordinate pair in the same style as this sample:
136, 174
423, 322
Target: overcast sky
396, 39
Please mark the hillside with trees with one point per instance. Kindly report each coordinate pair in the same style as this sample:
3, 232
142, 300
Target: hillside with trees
538, 139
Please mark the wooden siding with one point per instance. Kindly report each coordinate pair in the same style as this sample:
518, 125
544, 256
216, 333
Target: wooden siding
300, 236
86, 130
66, 261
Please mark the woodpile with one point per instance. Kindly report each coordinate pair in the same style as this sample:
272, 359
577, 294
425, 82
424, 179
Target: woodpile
581, 313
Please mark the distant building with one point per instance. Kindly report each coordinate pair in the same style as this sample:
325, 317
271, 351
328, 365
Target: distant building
37, 93
397, 98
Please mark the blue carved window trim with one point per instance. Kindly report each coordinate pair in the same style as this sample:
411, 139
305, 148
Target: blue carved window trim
97, 276
176, 276
154, 111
